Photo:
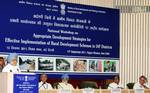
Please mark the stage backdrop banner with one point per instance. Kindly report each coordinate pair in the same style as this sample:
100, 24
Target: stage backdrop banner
25, 83
49, 27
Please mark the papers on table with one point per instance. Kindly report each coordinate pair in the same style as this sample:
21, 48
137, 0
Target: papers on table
115, 90
65, 91
88, 90
139, 90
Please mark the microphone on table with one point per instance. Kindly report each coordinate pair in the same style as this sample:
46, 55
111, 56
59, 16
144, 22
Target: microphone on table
10, 70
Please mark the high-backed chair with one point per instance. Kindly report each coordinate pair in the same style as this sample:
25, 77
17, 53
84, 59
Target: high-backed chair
55, 85
130, 85
88, 84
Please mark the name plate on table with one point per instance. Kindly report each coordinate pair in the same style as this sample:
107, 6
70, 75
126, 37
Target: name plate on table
88, 90
25, 83
139, 91
64, 91
116, 91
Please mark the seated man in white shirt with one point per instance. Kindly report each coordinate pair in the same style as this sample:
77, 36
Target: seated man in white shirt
43, 85
64, 84
141, 84
12, 61
115, 84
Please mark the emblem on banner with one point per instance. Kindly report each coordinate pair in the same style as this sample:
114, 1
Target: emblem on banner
26, 78
63, 7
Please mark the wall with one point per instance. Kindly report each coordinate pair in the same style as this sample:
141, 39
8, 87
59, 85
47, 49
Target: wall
134, 40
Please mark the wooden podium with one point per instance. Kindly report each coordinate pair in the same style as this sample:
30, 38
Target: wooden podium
6, 82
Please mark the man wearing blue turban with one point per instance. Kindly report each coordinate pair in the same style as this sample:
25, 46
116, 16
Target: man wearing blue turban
12, 63
64, 84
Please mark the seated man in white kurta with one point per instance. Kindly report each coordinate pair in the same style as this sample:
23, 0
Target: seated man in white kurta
115, 84
141, 84
43, 85
64, 84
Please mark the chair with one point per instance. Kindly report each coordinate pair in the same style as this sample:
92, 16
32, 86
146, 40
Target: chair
88, 84
55, 85
130, 85
105, 86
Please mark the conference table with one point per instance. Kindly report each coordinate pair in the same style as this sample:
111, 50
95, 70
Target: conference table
95, 91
